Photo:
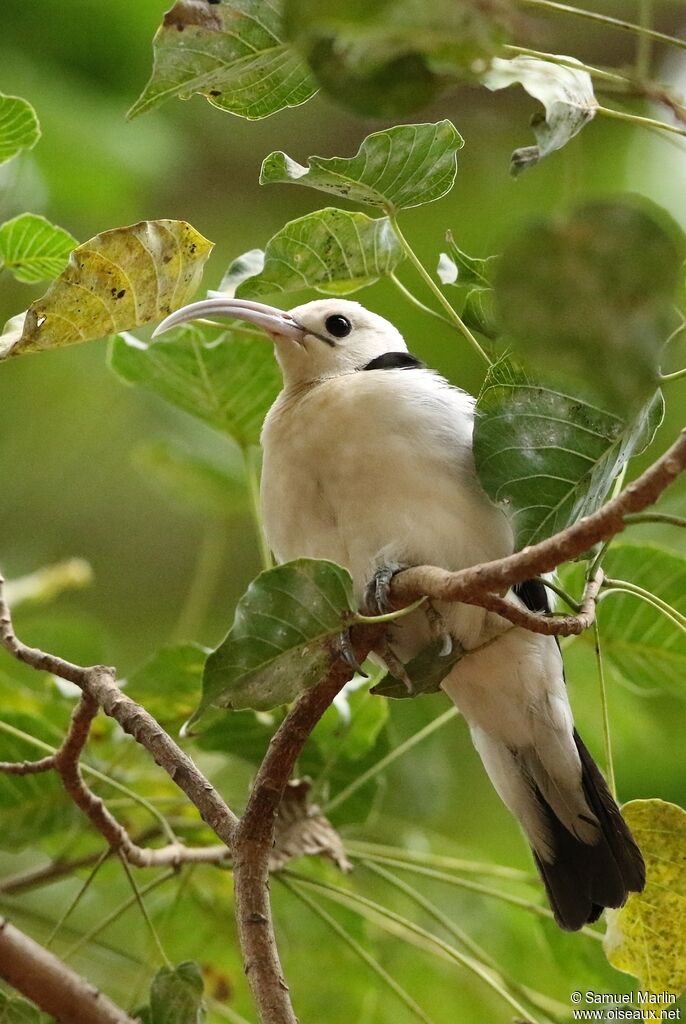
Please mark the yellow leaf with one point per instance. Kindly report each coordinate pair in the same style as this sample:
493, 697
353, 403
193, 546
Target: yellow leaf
116, 281
647, 937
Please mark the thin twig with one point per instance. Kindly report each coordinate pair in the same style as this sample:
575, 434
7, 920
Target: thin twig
99, 684
469, 585
606, 19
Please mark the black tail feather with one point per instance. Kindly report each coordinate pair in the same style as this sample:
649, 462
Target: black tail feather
583, 879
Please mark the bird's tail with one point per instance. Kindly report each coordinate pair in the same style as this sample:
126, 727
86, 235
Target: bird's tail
595, 866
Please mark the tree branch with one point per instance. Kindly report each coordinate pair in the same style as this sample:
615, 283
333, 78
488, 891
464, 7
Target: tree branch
470, 585
255, 837
50, 984
99, 683
548, 625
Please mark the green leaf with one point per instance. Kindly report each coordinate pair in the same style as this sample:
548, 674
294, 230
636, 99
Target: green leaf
547, 455
590, 298
331, 250
456, 267
250, 264
19, 128
647, 937
426, 671
169, 685
118, 280
229, 379
390, 57
479, 312
642, 644
229, 51
566, 94
279, 644
176, 995
19, 1011
32, 807
33, 248
350, 728
213, 490
395, 169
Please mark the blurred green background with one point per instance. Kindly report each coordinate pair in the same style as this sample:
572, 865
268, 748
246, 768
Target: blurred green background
69, 484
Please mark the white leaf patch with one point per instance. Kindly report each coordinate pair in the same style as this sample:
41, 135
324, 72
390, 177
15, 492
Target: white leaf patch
565, 92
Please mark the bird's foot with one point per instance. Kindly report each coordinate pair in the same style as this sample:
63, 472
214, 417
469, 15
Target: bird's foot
439, 633
346, 653
377, 596
394, 665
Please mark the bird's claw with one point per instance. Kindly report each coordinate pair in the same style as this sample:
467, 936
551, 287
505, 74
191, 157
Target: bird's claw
439, 634
347, 654
378, 592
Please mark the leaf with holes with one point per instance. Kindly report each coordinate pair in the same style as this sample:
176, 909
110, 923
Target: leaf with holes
303, 831
280, 642
34, 249
228, 379
215, 490
644, 645
331, 250
118, 280
548, 456
176, 995
658, 912
565, 92
589, 297
401, 167
229, 51
19, 128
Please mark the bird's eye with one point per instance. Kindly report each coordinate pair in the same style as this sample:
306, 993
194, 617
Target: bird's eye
338, 325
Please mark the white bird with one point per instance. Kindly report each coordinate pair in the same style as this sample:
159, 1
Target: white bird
368, 462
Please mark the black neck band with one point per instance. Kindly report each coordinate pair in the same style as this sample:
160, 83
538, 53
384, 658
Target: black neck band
395, 361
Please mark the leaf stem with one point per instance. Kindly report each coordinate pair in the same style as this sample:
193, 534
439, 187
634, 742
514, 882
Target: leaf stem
556, 589
144, 911
78, 897
623, 586
418, 302
348, 897
390, 616
644, 48
609, 763
252, 469
115, 914
435, 860
675, 375
453, 316
567, 62
644, 122
606, 19
655, 517
453, 930
359, 950
394, 754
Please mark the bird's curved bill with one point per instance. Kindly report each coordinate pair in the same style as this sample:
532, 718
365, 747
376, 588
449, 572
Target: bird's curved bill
274, 321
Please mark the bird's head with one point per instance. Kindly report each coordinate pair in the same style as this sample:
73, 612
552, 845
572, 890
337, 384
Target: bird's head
320, 339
